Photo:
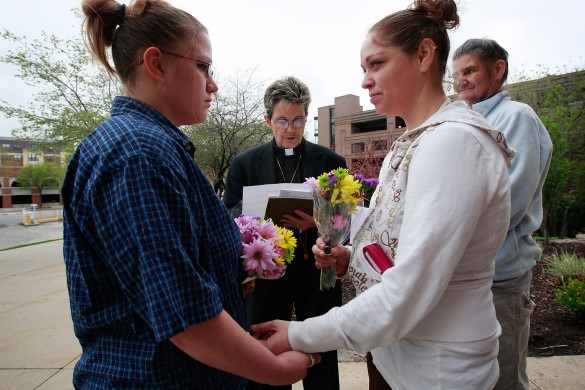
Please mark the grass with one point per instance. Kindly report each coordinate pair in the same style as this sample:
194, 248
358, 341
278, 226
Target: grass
567, 265
25, 245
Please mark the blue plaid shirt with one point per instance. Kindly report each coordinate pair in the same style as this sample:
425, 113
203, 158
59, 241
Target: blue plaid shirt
149, 250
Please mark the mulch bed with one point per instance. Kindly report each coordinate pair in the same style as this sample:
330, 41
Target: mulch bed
554, 330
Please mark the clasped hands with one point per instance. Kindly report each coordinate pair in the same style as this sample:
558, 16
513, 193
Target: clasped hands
274, 334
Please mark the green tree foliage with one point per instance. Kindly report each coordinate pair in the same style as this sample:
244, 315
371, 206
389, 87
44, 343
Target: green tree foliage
72, 95
41, 176
235, 124
559, 102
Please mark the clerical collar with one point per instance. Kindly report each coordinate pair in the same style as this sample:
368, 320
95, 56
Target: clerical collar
280, 152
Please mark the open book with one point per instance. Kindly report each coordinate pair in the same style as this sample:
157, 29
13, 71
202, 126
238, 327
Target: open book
277, 206
283, 198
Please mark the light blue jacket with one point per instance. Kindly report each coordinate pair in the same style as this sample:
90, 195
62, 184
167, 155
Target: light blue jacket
524, 132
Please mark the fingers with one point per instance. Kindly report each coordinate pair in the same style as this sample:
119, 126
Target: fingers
264, 327
314, 358
321, 249
289, 221
273, 335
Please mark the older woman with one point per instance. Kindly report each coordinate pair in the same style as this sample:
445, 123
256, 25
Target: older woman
289, 158
480, 68
441, 212
151, 253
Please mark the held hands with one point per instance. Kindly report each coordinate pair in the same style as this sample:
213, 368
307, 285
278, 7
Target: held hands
326, 256
301, 221
274, 336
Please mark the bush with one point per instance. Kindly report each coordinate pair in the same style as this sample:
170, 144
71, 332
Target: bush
567, 265
572, 296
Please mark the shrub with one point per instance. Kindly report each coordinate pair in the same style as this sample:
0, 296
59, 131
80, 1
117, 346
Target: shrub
567, 265
572, 296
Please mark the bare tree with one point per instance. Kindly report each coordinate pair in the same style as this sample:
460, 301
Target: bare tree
235, 124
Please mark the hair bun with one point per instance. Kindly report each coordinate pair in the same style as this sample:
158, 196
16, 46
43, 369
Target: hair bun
442, 12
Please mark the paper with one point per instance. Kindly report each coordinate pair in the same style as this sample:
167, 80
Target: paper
357, 219
255, 198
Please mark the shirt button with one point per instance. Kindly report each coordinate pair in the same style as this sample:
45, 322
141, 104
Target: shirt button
188, 147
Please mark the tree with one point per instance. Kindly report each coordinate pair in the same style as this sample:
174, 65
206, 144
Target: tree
73, 96
369, 158
41, 176
235, 124
558, 101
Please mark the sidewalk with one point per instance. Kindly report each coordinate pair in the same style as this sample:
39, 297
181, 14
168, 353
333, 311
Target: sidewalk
38, 349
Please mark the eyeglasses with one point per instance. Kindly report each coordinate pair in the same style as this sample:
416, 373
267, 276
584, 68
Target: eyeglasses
203, 66
297, 123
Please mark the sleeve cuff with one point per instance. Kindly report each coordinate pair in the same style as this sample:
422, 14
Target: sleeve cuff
346, 274
317, 334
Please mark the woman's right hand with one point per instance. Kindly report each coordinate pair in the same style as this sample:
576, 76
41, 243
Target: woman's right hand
338, 255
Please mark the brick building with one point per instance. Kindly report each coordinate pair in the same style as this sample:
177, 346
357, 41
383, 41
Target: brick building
14, 155
349, 130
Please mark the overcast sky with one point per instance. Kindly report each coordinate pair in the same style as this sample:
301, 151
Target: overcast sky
318, 41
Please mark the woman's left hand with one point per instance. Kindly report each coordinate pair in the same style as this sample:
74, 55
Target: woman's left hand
273, 335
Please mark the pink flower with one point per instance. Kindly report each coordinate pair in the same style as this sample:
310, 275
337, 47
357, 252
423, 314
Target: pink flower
268, 231
275, 273
248, 227
312, 182
279, 252
258, 256
339, 222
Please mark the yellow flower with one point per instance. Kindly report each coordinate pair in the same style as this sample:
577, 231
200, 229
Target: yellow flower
279, 260
287, 239
349, 190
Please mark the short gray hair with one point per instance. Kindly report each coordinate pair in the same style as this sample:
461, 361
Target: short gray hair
486, 50
290, 90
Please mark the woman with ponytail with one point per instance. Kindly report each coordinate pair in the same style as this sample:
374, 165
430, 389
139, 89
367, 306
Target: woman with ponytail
151, 252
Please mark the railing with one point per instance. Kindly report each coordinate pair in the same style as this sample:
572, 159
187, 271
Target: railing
32, 216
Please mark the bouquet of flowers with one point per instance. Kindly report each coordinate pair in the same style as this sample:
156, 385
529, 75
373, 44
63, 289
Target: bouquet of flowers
368, 187
335, 196
266, 248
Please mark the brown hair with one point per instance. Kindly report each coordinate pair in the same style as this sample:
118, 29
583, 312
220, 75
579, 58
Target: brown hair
130, 31
422, 19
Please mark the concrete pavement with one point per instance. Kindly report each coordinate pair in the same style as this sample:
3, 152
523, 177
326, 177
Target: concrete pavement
38, 349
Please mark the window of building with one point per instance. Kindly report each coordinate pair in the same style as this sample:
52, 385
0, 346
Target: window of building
6, 146
381, 144
400, 123
5, 157
17, 148
18, 157
49, 158
332, 121
33, 157
358, 147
